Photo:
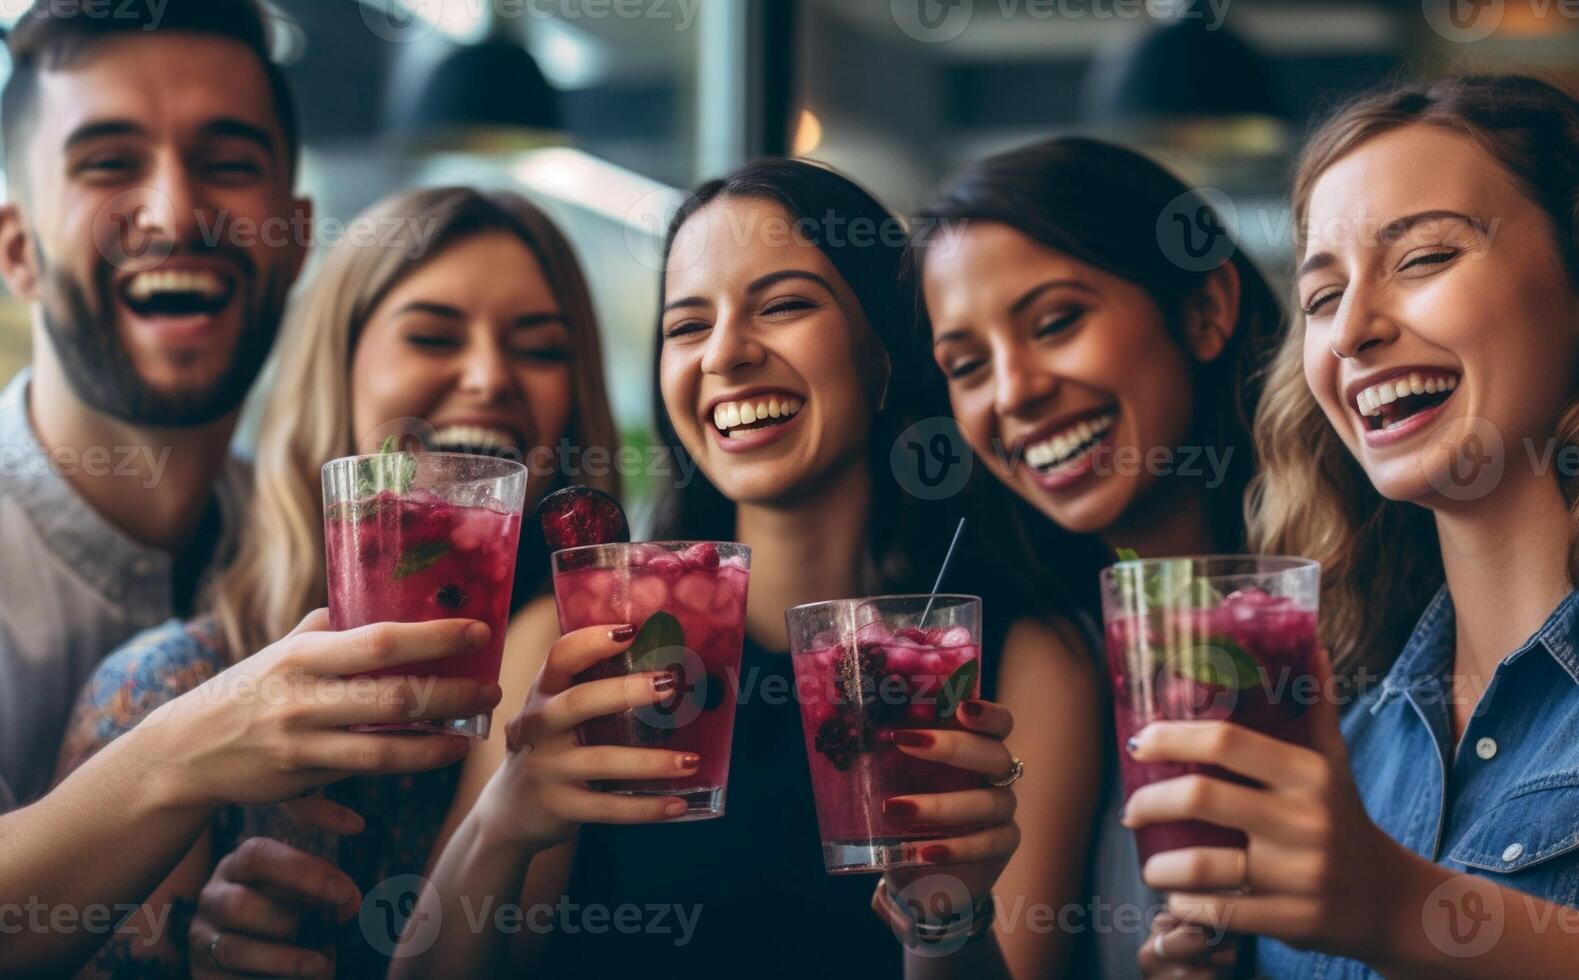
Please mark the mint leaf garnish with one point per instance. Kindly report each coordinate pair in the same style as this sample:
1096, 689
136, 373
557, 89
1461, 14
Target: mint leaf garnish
1218, 661
1127, 554
419, 556
960, 685
391, 469
655, 647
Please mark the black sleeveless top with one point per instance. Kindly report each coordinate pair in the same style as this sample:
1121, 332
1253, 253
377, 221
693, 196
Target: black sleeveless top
752, 881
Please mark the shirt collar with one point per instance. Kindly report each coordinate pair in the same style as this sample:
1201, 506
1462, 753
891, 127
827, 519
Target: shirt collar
1430, 648
126, 572
1557, 636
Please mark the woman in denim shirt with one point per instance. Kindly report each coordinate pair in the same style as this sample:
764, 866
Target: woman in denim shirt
1429, 392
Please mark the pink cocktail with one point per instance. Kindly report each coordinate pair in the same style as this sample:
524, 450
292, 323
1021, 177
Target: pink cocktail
865, 668
688, 602
413, 537
1208, 639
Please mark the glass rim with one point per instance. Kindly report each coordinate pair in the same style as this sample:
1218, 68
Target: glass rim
1273, 564
441, 455
956, 597
677, 543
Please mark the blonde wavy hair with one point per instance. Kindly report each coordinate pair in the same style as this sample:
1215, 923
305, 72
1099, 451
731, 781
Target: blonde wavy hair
278, 575
1311, 497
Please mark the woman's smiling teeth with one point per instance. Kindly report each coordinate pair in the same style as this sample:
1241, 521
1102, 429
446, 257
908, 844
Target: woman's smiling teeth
737, 418
472, 438
1392, 401
1069, 444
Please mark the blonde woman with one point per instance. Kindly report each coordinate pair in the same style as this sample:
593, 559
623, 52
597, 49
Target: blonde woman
1417, 437
470, 320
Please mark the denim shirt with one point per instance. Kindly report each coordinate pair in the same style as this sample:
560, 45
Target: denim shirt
1503, 804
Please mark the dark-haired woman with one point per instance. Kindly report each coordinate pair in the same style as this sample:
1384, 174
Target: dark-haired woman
1106, 378
785, 284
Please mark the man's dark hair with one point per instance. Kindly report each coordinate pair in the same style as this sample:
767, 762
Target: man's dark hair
52, 36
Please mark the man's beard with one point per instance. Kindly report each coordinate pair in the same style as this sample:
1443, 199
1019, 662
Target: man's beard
103, 376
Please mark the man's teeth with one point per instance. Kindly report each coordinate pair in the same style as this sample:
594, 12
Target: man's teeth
1063, 446
481, 437
733, 415
146, 285
1370, 400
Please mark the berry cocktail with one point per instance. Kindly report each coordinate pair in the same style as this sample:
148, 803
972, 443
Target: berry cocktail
412, 537
1212, 639
865, 668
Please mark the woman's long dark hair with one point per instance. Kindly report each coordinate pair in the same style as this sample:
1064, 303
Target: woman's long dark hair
1101, 204
866, 245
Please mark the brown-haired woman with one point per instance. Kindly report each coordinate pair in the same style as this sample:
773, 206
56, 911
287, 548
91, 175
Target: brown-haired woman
1417, 437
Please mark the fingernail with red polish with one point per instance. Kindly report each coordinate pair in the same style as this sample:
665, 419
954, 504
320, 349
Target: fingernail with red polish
690, 760
971, 709
900, 808
912, 738
934, 853
620, 634
665, 682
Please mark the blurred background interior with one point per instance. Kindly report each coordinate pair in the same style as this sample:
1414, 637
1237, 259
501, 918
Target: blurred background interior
602, 109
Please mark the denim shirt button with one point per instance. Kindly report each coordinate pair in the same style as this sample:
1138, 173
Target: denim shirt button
1512, 852
1486, 748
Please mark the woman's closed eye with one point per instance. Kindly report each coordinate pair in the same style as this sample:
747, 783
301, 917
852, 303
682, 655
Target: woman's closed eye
787, 307
684, 328
430, 340
1428, 261
1057, 322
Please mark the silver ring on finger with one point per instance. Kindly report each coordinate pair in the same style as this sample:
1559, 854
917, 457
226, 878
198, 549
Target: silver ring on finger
213, 950
1244, 871
1016, 770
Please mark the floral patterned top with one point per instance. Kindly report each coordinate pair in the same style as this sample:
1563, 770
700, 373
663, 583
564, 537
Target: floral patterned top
403, 813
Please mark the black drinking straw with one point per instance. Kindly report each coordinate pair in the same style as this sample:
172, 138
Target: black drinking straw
938, 585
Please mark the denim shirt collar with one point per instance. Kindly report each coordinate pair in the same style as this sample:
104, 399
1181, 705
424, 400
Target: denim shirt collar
124, 571
1429, 652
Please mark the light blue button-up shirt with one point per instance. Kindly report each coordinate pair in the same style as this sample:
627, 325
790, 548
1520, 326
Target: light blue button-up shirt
1503, 803
73, 587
